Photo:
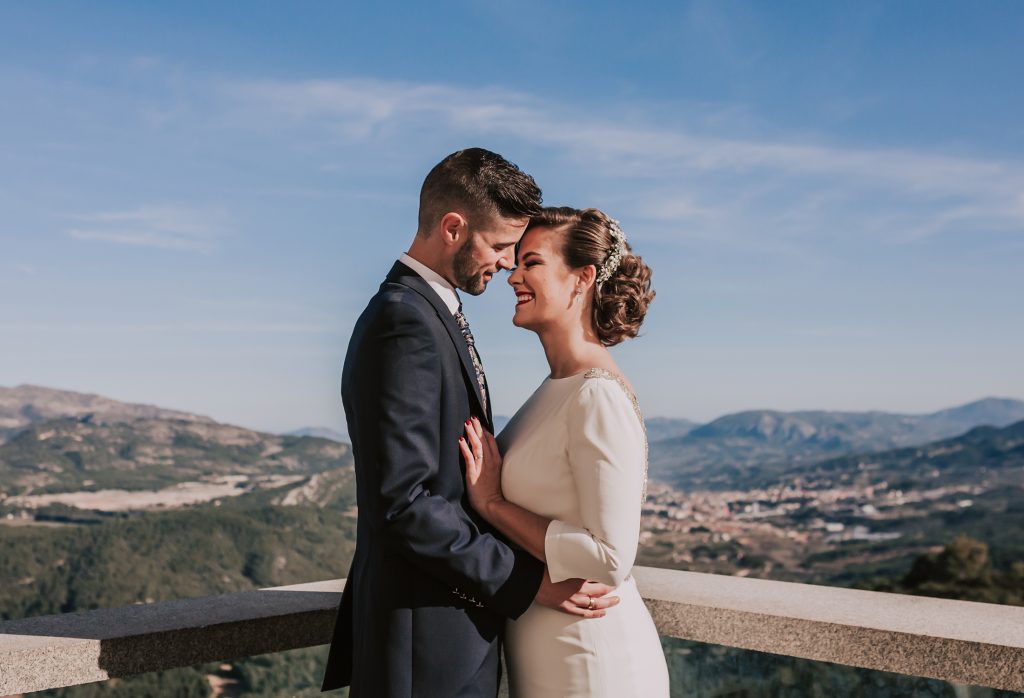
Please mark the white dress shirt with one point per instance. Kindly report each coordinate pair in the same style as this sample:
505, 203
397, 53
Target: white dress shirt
437, 282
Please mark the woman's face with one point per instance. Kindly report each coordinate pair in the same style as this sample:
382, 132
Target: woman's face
543, 283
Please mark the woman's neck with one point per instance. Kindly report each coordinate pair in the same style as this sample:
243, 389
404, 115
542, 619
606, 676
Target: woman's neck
572, 350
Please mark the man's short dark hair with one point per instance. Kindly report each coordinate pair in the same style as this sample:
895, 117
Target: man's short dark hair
480, 184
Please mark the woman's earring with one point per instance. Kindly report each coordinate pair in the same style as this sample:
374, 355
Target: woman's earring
576, 296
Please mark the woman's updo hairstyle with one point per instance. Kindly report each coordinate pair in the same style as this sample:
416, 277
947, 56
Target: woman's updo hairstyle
620, 302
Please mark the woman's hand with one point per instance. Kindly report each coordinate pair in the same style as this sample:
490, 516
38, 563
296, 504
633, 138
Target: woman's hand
483, 467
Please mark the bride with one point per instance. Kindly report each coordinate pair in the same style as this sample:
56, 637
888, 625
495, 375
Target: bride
566, 478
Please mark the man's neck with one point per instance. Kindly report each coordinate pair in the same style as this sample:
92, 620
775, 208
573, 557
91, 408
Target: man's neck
426, 256
445, 290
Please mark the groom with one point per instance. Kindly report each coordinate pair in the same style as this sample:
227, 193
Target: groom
431, 583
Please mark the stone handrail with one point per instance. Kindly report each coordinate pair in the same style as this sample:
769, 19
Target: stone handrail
958, 641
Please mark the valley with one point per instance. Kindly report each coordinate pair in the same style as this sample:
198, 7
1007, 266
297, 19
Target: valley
120, 507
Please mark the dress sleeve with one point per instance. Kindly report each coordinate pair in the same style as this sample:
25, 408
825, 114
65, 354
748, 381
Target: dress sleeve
607, 454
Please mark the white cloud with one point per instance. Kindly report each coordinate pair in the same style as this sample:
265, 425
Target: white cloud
144, 63
272, 328
163, 227
140, 239
931, 192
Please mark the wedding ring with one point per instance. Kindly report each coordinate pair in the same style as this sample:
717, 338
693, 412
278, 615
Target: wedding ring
590, 604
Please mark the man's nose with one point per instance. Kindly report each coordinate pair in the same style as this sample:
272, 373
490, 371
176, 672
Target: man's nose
505, 260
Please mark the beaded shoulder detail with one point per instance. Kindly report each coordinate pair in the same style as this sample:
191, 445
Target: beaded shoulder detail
605, 373
608, 375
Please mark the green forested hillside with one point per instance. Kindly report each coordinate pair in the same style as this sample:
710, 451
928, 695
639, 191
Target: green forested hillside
962, 570
193, 552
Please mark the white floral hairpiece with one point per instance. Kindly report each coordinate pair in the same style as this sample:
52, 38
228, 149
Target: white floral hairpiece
615, 256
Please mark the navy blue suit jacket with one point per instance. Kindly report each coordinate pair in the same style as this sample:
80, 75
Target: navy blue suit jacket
431, 583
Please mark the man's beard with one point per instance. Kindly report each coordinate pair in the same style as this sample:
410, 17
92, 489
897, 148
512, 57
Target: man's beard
466, 270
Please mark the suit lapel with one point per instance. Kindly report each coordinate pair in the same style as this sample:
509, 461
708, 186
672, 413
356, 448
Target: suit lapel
490, 416
401, 274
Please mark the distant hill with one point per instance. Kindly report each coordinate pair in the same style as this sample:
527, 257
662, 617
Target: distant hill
65, 455
754, 446
25, 405
321, 433
60, 441
983, 453
658, 428
661, 428
996, 412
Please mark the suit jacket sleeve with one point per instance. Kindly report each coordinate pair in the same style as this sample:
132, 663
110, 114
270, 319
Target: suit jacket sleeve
434, 533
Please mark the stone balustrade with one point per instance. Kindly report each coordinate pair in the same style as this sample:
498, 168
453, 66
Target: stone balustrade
957, 641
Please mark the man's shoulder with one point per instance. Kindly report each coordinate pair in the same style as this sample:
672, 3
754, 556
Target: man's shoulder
398, 302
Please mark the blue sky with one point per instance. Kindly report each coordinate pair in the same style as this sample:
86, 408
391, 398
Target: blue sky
198, 198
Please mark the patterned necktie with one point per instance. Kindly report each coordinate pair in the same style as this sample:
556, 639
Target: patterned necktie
463, 323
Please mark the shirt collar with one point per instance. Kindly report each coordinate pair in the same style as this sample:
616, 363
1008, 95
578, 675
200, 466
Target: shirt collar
437, 282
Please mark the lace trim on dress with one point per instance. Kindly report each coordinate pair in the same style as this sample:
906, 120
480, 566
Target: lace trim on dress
605, 373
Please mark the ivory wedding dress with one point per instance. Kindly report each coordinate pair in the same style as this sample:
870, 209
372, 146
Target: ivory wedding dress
576, 453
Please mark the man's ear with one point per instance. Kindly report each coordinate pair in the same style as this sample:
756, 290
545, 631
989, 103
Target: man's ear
454, 228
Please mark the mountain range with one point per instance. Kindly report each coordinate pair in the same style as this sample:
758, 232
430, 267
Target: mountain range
71, 454
26, 405
745, 448
247, 542
60, 441
991, 454
321, 433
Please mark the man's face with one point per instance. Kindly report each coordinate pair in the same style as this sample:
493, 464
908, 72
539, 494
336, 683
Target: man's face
488, 249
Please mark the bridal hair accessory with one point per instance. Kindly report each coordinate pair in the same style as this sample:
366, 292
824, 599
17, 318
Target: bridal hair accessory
615, 257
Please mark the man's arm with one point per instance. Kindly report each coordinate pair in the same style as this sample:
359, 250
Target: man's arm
436, 535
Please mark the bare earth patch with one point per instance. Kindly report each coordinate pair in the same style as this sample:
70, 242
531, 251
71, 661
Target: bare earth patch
179, 495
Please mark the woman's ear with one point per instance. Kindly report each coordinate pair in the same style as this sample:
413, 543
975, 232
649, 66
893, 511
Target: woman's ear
587, 275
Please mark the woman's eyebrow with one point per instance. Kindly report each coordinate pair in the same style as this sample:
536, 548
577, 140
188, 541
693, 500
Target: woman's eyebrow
530, 253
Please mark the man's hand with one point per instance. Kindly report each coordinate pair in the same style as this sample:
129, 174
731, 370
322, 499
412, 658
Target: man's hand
577, 597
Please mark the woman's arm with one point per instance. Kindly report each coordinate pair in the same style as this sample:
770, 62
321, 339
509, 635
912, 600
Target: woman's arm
607, 456
483, 480
523, 527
